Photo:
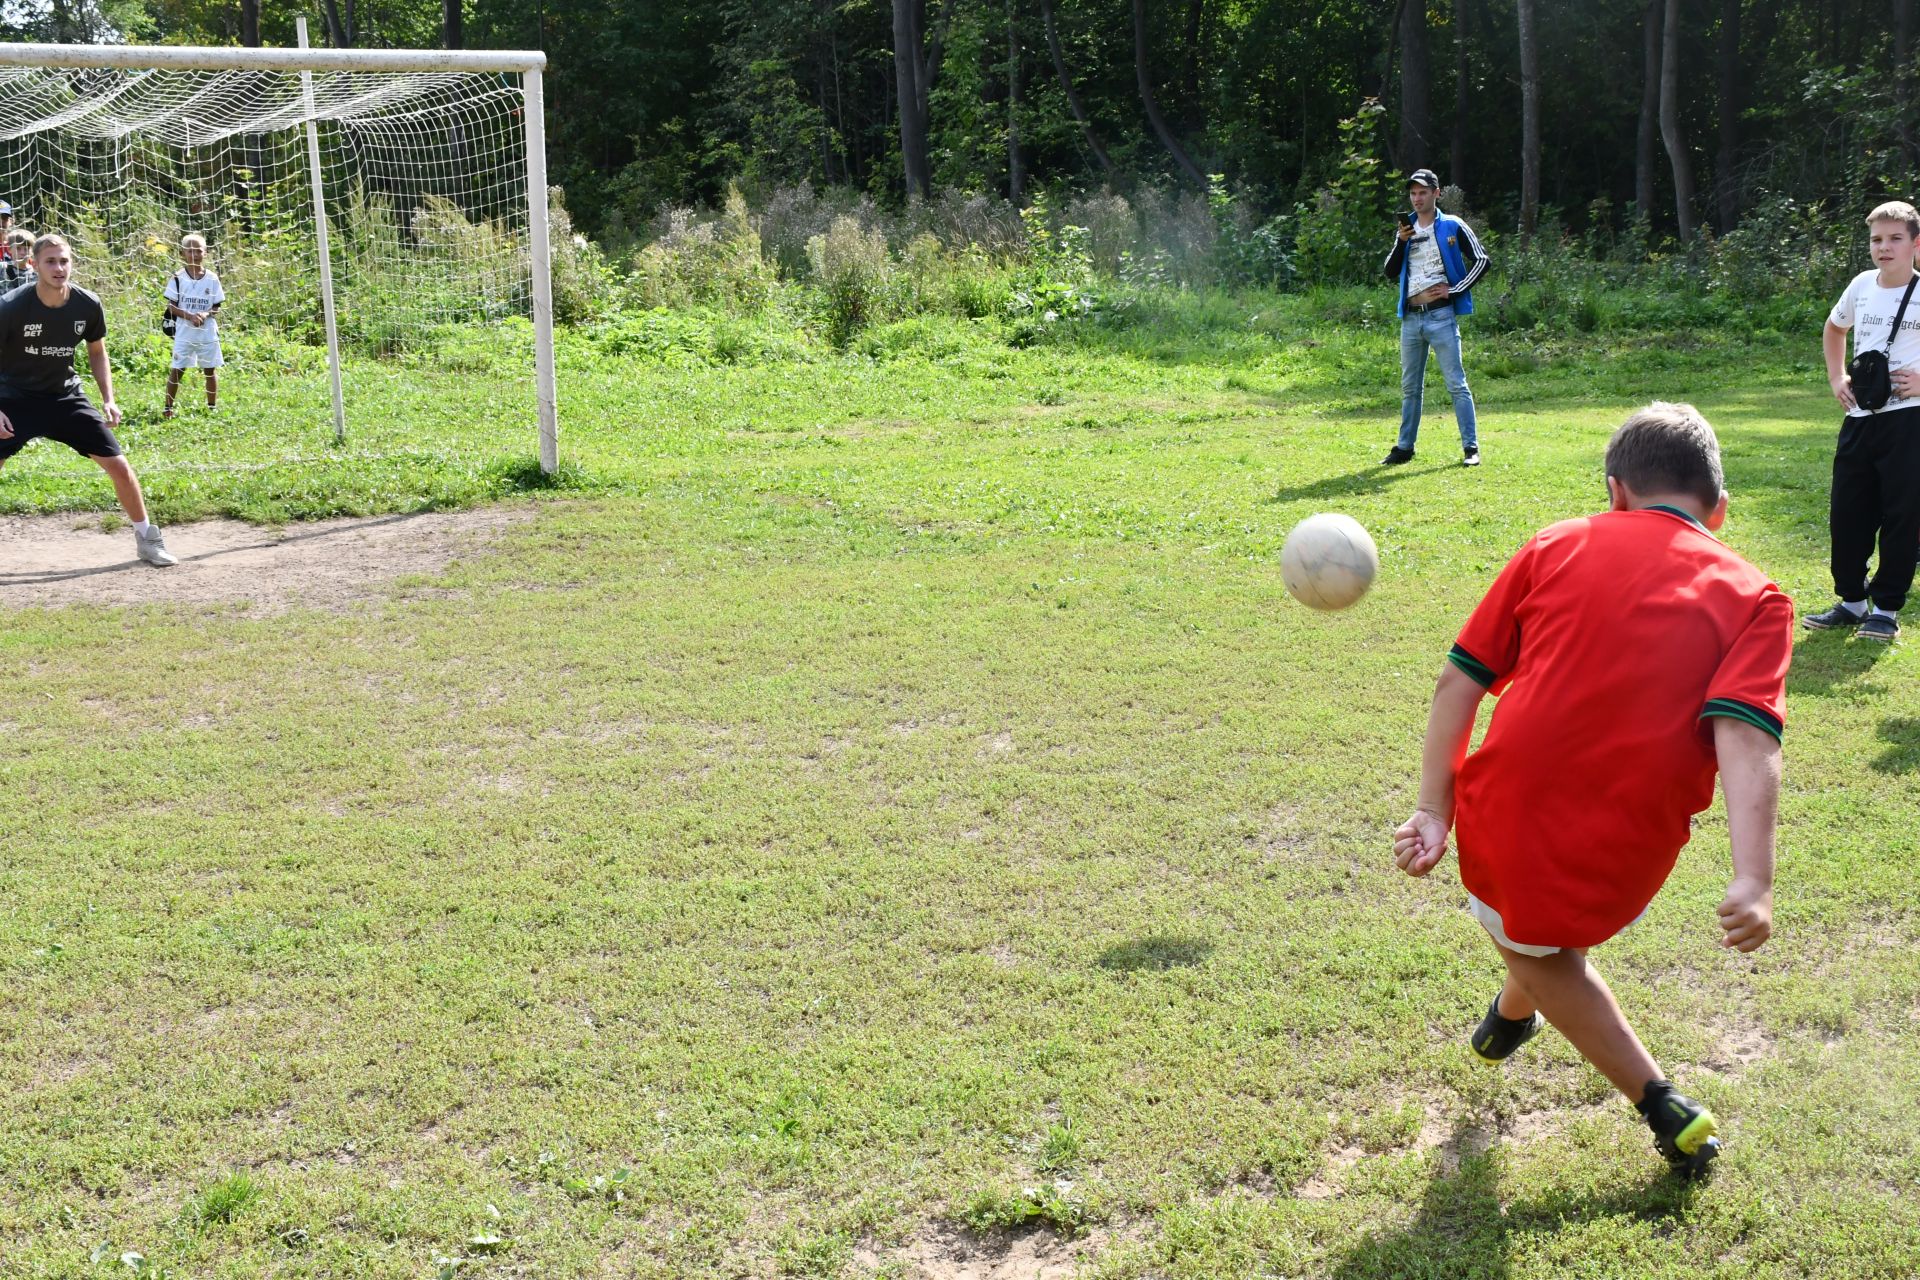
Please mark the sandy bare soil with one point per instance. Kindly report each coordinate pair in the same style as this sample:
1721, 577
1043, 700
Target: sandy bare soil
53, 561
947, 1254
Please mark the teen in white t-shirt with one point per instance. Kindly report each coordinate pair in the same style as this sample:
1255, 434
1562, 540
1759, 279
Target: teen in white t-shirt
1867, 307
1876, 462
193, 296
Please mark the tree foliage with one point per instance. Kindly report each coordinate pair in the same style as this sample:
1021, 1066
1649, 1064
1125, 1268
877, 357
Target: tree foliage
670, 100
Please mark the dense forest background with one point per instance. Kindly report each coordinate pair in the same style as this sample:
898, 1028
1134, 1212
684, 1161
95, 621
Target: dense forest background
1582, 113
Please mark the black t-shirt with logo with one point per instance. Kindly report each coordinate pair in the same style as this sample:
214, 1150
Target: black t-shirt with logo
37, 342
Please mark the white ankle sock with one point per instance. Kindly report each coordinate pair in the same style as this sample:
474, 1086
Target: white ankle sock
1884, 613
143, 527
1858, 608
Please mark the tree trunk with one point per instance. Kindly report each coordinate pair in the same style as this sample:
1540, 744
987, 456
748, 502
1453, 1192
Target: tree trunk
250, 23
1016, 173
1670, 122
1726, 189
1462, 92
450, 9
1154, 118
1903, 76
1190, 68
1649, 109
1416, 79
906, 72
1389, 68
935, 53
1529, 120
337, 34
1066, 87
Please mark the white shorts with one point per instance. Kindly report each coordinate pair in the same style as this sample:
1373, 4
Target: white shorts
1496, 928
197, 348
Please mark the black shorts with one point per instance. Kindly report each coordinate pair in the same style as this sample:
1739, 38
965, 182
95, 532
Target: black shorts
70, 419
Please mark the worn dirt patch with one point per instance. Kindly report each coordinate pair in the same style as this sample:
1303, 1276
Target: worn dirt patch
951, 1254
56, 561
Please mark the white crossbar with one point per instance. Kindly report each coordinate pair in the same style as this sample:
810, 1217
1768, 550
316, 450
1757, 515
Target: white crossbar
207, 58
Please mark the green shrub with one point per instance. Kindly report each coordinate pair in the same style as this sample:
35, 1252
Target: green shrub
711, 263
853, 272
1339, 232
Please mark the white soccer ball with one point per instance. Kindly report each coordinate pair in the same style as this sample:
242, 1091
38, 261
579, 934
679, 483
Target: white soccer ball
1328, 561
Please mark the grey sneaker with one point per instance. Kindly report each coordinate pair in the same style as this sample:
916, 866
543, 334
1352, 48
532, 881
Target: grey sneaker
153, 549
1878, 626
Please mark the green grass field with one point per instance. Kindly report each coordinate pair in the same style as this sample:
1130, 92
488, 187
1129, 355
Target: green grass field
886, 793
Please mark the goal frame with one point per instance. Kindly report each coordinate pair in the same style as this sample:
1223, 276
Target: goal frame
528, 64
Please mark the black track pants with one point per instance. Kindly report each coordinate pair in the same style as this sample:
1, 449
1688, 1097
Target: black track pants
1876, 493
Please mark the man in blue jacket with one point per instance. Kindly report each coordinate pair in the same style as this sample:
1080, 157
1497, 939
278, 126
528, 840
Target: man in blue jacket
1436, 260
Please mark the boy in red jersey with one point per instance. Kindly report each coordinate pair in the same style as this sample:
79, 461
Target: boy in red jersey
1633, 655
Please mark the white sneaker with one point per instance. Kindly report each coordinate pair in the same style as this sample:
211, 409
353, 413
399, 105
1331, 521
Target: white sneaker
153, 549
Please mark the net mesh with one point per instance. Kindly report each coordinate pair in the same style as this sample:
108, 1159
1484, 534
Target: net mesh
424, 176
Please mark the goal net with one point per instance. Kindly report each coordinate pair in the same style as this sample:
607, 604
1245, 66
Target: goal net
365, 201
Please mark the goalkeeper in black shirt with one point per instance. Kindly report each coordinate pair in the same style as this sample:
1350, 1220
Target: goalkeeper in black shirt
41, 329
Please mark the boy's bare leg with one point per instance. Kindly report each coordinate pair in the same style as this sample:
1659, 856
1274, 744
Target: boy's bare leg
1514, 1002
126, 487
173, 386
1581, 1007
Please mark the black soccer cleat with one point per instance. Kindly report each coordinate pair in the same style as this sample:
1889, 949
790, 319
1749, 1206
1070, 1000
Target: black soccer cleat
1396, 456
1833, 619
1683, 1130
1497, 1038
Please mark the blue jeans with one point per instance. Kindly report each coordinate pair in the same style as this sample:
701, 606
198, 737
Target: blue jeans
1440, 330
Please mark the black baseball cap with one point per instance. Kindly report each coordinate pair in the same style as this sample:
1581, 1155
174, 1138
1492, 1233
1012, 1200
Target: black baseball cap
1425, 177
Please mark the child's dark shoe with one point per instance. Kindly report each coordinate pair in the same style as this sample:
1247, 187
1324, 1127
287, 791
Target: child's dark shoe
1496, 1038
1683, 1130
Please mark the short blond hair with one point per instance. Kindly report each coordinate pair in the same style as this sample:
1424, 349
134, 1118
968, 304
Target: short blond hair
193, 240
50, 239
1897, 211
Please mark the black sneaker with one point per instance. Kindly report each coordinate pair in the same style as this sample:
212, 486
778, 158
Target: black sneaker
1496, 1038
1833, 619
1472, 459
1396, 456
1879, 626
1683, 1130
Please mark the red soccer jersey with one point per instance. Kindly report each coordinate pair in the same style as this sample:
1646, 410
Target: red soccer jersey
1609, 641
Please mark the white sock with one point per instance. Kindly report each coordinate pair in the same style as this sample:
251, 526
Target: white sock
1884, 613
1858, 608
142, 527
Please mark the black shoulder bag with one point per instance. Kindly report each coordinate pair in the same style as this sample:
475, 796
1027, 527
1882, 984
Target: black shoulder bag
170, 323
1872, 377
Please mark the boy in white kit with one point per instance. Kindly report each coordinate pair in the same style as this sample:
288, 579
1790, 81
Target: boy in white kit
193, 296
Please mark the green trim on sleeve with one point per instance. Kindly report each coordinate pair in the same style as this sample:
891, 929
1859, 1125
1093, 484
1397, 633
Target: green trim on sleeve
1474, 669
1754, 716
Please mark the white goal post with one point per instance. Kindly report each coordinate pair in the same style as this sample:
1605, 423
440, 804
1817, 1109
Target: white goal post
154, 108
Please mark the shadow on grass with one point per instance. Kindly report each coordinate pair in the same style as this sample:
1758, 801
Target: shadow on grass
1824, 661
1903, 753
1462, 1231
1155, 953
1373, 479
